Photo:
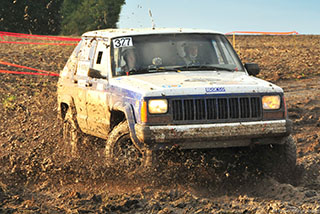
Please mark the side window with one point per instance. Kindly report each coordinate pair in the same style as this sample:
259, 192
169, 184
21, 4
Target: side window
224, 56
71, 66
124, 56
227, 54
86, 56
85, 50
219, 54
118, 62
101, 58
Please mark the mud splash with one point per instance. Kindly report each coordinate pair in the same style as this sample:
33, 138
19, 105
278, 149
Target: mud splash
36, 176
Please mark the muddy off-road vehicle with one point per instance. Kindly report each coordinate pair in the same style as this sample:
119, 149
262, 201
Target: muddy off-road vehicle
145, 90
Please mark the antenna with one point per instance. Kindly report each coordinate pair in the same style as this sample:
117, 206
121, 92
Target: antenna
152, 21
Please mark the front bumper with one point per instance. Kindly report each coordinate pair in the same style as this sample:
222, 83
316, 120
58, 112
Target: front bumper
213, 135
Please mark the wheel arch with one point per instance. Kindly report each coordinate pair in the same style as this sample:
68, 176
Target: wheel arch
64, 103
126, 111
116, 117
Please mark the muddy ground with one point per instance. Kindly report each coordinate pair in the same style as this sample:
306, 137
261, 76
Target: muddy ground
35, 177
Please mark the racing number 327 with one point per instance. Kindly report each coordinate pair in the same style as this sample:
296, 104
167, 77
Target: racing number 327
122, 42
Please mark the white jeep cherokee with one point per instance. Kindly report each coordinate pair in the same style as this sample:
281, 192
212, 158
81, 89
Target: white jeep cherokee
144, 90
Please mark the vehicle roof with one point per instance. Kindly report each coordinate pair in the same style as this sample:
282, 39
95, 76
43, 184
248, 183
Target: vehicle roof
111, 33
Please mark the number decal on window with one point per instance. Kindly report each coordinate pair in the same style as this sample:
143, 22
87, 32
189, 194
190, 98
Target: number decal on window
122, 42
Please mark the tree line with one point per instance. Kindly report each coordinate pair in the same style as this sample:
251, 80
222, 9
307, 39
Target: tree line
58, 17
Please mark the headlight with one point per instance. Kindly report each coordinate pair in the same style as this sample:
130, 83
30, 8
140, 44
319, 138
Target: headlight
271, 102
158, 106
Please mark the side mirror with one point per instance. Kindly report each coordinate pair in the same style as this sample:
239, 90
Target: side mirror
252, 68
93, 73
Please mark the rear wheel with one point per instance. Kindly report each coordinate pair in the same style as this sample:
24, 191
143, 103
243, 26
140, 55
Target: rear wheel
71, 134
121, 152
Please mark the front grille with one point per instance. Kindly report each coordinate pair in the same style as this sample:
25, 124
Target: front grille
217, 109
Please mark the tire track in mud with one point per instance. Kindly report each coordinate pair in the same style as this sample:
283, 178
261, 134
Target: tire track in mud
36, 176
177, 189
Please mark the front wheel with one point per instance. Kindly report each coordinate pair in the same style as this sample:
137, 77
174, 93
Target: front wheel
279, 160
121, 152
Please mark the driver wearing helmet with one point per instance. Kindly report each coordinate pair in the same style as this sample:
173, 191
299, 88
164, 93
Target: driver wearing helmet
191, 54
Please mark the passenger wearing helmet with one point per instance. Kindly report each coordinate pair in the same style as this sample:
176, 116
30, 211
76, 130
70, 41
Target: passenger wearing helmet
130, 58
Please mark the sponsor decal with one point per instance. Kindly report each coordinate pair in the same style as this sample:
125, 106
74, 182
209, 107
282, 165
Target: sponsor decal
215, 89
171, 86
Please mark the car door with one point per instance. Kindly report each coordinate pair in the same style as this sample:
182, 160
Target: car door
82, 82
97, 96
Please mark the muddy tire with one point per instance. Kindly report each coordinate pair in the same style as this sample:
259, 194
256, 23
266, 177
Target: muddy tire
279, 160
72, 135
120, 151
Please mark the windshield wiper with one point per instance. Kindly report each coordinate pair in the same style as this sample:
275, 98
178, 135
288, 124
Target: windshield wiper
203, 67
154, 69
179, 68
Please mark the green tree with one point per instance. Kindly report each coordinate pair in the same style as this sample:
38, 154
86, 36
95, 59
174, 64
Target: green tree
30, 16
43, 17
79, 17
11, 15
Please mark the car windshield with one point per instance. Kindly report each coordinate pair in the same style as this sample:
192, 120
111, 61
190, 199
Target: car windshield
172, 52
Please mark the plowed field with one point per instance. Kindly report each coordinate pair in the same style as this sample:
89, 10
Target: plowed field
35, 177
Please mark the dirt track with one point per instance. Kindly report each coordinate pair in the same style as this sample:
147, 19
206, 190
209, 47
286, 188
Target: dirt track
35, 177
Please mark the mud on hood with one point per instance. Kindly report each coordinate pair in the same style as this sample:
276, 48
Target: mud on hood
194, 82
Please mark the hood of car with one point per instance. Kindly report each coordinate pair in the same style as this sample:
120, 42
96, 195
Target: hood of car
194, 82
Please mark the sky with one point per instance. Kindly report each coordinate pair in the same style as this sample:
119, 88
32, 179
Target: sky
224, 16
